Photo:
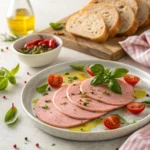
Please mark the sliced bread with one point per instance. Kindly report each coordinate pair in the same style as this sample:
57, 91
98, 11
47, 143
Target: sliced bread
109, 14
133, 4
143, 14
129, 22
88, 25
148, 3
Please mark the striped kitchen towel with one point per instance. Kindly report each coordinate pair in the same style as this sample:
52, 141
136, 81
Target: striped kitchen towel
138, 47
140, 140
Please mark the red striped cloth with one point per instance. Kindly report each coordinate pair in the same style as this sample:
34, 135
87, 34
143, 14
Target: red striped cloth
140, 140
138, 47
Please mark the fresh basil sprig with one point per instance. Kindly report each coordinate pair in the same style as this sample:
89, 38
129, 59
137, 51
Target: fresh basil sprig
6, 77
77, 66
56, 26
42, 88
123, 121
105, 76
11, 115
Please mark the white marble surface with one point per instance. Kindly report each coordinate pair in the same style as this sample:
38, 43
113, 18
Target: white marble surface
45, 11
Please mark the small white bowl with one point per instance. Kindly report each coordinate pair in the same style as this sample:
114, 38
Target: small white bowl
37, 60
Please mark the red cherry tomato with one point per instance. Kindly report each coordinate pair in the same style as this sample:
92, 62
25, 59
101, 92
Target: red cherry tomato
112, 122
29, 45
35, 42
136, 107
89, 71
52, 43
44, 42
55, 80
32, 44
131, 79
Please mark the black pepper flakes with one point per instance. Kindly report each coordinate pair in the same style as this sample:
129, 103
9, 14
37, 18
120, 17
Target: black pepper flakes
49, 89
92, 92
64, 103
85, 103
26, 138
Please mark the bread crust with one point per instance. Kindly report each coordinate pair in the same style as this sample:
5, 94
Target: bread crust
132, 30
118, 22
133, 27
102, 38
147, 22
143, 7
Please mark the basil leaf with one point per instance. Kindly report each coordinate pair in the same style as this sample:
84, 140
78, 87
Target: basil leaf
123, 121
147, 103
56, 26
99, 79
3, 83
11, 115
97, 69
119, 72
42, 88
107, 71
4, 72
12, 79
78, 67
114, 86
15, 70
132, 122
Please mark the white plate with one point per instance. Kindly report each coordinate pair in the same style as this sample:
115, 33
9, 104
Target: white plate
100, 132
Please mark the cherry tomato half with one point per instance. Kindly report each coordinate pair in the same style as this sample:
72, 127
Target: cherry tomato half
136, 107
29, 45
131, 79
89, 71
32, 43
35, 42
55, 80
44, 42
52, 43
112, 122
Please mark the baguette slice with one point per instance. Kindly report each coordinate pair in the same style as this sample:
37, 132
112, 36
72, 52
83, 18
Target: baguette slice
129, 21
108, 13
144, 13
88, 25
147, 3
133, 4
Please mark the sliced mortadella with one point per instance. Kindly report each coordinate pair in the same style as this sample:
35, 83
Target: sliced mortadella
62, 103
83, 101
105, 95
47, 113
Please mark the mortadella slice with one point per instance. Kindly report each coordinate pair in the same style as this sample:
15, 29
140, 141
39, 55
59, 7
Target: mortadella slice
50, 115
81, 100
105, 95
62, 103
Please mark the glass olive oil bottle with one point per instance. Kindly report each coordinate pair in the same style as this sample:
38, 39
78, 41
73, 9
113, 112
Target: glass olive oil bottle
20, 17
